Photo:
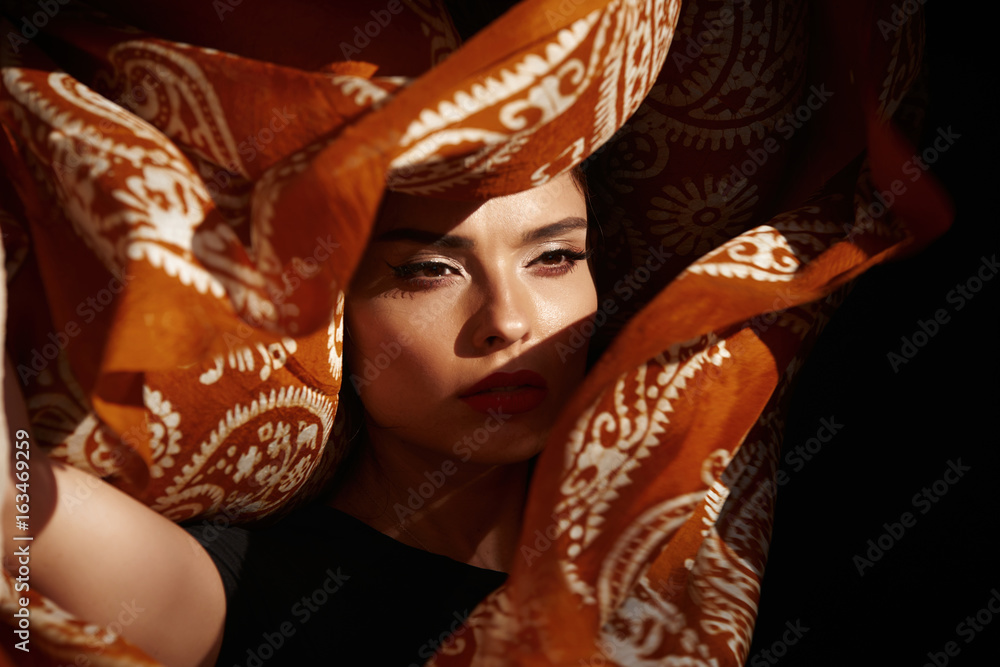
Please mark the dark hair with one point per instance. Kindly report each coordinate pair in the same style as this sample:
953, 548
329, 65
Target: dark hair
595, 234
580, 178
348, 428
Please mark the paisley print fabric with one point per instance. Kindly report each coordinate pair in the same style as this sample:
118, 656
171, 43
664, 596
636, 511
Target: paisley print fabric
182, 212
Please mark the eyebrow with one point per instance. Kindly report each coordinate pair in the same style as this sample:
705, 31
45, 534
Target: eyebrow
454, 241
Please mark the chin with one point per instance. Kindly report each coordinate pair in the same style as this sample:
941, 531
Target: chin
512, 443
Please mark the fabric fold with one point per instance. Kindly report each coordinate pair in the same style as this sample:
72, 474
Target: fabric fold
182, 222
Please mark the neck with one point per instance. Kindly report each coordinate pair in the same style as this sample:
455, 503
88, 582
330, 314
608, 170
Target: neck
470, 512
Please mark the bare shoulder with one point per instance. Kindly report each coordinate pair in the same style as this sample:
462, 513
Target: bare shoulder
112, 560
107, 558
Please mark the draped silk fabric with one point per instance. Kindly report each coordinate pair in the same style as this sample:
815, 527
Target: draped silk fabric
180, 222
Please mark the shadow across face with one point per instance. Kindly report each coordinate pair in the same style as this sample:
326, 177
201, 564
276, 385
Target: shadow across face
457, 316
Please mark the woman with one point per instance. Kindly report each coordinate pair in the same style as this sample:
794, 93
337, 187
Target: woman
237, 188
476, 299
505, 280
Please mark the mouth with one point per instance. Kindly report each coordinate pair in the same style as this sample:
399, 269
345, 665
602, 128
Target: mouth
512, 393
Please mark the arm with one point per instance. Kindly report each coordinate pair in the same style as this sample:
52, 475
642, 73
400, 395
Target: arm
107, 558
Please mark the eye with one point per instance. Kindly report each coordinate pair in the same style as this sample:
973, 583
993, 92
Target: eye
557, 262
424, 274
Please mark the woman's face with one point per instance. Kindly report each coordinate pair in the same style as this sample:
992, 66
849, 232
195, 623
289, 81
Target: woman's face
450, 294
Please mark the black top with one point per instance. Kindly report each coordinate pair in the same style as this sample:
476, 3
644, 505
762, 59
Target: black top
323, 588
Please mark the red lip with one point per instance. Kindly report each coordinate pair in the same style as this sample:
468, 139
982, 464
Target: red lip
527, 391
517, 379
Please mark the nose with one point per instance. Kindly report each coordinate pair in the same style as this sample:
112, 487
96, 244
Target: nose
504, 315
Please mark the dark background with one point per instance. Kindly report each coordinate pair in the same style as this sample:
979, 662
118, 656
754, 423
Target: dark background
901, 428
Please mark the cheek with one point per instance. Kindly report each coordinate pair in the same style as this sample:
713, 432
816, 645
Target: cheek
570, 307
393, 356
570, 327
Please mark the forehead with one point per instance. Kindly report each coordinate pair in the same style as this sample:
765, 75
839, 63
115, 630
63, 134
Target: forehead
560, 198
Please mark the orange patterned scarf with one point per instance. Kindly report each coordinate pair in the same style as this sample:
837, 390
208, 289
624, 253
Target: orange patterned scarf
179, 223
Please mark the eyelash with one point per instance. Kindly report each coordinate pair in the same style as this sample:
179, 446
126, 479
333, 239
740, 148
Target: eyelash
407, 272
